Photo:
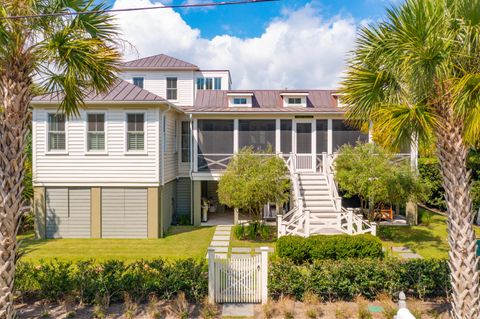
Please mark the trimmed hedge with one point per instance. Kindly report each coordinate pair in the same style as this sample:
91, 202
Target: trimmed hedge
86, 280
333, 280
300, 249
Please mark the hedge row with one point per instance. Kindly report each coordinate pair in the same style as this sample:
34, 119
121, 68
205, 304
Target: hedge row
345, 279
300, 249
87, 280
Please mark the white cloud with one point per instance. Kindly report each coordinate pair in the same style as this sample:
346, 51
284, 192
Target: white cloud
297, 50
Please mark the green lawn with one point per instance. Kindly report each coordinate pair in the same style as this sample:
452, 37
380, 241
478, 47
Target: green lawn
428, 241
180, 242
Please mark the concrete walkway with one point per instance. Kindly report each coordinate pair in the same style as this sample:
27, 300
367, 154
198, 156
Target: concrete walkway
406, 253
221, 240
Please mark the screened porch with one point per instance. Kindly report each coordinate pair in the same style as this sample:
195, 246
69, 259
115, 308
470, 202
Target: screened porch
306, 140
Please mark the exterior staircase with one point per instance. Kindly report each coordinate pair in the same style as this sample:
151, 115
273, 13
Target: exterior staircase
317, 207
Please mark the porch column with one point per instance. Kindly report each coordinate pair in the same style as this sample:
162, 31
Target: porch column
235, 136
329, 136
197, 202
277, 136
195, 145
96, 212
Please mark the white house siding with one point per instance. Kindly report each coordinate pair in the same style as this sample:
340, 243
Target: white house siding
156, 82
171, 154
115, 166
224, 75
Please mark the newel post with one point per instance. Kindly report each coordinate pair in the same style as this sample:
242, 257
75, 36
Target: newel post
211, 275
374, 228
279, 225
264, 274
350, 221
307, 223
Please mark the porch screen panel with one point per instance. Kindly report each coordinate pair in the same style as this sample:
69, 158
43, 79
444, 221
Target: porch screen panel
304, 138
215, 143
322, 136
286, 136
260, 134
343, 134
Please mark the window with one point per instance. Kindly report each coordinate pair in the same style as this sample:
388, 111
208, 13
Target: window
260, 134
322, 136
56, 132
200, 83
96, 132
185, 142
294, 100
171, 88
138, 81
343, 134
286, 136
135, 132
209, 84
218, 83
240, 101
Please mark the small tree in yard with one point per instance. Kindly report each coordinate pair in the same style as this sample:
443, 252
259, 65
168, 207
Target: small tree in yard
370, 173
251, 180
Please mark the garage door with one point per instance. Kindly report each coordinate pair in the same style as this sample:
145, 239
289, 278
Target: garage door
68, 212
124, 212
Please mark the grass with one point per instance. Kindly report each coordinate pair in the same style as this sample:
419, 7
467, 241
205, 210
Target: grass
429, 241
180, 242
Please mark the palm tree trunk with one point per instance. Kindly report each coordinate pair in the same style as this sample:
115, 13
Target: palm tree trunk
15, 94
452, 153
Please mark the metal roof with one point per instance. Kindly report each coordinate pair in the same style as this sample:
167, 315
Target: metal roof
159, 61
121, 91
264, 101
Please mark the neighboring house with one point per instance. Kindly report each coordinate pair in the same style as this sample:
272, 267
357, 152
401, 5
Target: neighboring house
143, 155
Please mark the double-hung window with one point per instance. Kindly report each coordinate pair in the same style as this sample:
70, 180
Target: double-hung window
185, 143
218, 83
56, 132
135, 132
209, 84
172, 88
200, 83
96, 132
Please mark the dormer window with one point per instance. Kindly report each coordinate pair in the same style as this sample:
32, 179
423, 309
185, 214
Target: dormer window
138, 81
240, 99
294, 99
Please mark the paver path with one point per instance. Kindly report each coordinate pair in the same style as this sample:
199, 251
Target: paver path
406, 253
221, 240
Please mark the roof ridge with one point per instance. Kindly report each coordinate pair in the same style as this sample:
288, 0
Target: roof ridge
158, 60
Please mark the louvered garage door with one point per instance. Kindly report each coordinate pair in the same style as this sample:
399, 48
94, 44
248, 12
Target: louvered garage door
68, 212
124, 213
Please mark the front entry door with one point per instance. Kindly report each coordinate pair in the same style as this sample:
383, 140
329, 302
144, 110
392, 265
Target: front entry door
305, 157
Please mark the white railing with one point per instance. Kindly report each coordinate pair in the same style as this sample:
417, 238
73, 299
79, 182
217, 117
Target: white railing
293, 222
354, 224
328, 170
212, 162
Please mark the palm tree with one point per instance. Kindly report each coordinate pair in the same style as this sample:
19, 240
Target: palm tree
417, 76
72, 54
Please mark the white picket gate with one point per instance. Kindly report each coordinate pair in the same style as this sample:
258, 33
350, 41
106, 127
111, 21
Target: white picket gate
238, 279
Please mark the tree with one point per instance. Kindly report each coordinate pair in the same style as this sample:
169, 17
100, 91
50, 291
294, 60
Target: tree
252, 179
416, 75
69, 54
367, 171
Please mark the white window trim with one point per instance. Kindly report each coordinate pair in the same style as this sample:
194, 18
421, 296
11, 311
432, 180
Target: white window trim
302, 104
47, 129
140, 76
105, 126
145, 134
232, 97
166, 87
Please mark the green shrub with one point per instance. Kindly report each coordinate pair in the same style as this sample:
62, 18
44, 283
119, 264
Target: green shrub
333, 280
333, 247
88, 280
239, 232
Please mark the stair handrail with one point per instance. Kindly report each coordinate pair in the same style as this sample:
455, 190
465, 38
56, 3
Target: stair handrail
328, 160
354, 224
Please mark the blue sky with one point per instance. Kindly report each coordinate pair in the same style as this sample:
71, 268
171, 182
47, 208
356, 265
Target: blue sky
296, 44
250, 20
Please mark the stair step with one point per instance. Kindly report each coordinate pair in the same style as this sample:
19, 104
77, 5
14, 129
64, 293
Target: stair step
313, 177
318, 203
321, 209
313, 182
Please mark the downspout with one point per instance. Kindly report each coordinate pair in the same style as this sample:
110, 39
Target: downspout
164, 140
190, 173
